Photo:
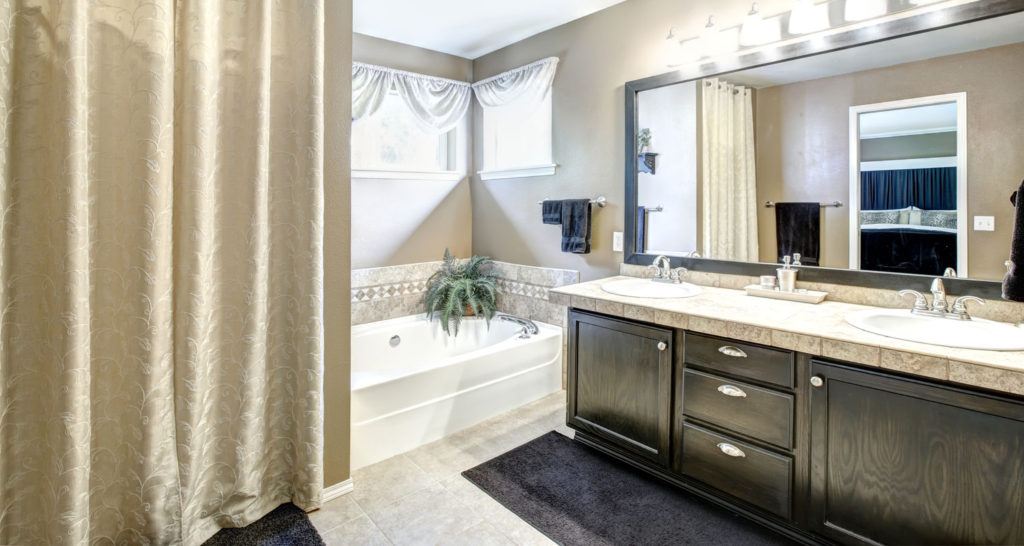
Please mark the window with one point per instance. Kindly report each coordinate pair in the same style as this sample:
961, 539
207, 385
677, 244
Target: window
517, 139
392, 141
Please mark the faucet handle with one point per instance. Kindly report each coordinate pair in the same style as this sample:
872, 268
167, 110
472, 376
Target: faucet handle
677, 274
960, 306
920, 302
656, 270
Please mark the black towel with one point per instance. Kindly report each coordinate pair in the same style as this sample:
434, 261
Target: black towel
1013, 283
551, 212
641, 230
576, 226
798, 229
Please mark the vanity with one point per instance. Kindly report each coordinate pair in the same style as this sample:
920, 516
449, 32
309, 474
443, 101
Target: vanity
786, 414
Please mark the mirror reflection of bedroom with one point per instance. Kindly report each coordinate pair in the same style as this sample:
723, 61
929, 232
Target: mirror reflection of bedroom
906, 184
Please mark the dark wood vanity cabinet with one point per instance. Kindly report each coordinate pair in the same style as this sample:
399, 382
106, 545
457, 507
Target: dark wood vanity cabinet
901, 461
621, 378
821, 451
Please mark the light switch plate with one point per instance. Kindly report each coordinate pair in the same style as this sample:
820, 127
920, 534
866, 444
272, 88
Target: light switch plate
984, 223
617, 241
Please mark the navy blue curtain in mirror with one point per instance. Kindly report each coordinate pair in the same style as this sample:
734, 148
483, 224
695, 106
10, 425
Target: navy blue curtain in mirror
928, 189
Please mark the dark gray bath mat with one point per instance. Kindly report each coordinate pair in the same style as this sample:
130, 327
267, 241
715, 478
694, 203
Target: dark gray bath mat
575, 495
287, 525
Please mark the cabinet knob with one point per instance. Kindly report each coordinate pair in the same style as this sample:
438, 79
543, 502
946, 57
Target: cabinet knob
817, 381
662, 346
731, 450
729, 350
732, 391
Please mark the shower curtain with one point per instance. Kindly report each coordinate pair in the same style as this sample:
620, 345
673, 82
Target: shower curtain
161, 219
729, 178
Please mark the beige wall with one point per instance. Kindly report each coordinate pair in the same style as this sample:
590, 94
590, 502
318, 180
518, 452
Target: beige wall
598, 53
337, 247
409, 221
803, 149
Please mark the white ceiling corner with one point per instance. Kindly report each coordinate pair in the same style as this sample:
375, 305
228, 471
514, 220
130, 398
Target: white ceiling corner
466, 28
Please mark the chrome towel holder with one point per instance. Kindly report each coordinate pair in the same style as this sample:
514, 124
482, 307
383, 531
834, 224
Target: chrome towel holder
600, 201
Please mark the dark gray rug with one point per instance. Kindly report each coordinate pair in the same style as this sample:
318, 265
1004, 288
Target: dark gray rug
287, 525
576, 495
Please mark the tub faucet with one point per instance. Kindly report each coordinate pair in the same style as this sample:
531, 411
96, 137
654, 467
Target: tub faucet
529, 327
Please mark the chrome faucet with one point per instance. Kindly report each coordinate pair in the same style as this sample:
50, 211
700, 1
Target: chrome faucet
529, 327
663, 271
940, 306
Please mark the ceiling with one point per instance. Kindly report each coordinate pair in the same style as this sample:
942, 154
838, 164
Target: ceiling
917, 120
466, 28
928, 45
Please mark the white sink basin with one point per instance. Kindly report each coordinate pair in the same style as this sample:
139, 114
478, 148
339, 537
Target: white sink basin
962, 334
646, 288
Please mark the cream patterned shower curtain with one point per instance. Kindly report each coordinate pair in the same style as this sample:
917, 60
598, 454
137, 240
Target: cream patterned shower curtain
160, 266
728, 171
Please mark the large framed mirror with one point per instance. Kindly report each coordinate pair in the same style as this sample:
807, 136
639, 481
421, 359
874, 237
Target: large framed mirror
883, 156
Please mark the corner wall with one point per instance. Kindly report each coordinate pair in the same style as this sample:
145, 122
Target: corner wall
337, 241
398, 222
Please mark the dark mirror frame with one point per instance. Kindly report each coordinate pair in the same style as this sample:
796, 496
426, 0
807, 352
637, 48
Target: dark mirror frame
947, 17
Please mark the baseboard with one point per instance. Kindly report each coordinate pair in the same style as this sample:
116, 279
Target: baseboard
334, 491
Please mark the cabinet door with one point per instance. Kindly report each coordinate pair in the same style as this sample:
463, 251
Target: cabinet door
620, 383
899, 461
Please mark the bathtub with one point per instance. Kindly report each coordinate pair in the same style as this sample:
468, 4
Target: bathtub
412, 384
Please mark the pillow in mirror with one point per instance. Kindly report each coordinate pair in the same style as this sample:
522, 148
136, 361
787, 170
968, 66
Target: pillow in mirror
939, 218
881, 216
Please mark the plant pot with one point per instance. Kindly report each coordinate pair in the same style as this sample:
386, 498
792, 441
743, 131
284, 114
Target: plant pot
469, 312
647, 162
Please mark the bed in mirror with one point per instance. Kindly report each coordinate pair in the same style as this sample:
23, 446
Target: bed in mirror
892, 158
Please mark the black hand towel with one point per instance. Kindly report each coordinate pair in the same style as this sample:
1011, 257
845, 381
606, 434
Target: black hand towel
641, 230
1013, 283
551, 212
798, 229
576, 226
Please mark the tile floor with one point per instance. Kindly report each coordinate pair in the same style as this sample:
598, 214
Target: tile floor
420, 497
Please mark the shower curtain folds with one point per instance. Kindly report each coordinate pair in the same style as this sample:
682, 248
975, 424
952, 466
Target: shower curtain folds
161, 217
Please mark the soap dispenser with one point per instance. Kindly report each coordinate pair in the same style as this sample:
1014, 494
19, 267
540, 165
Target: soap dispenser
787, 275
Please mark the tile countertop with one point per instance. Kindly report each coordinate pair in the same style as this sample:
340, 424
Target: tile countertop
819, 330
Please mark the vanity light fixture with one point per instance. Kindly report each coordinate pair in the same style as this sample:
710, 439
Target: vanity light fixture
859, 10
672, 49
709, 38
923, 2
757, 30
808, 17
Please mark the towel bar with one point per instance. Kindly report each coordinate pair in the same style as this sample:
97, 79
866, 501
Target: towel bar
600, 201
837, 204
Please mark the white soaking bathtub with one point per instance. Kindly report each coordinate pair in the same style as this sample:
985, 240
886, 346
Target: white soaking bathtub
412, 384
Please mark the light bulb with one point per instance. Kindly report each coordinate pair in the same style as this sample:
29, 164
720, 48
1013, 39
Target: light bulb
672, 50
756, 30
807, 17
859, 10
709, 40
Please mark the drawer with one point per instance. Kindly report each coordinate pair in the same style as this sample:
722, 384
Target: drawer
748, 473
754, 411
741, 359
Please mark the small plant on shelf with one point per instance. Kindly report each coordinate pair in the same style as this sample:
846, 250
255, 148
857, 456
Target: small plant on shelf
643, 140
461, 288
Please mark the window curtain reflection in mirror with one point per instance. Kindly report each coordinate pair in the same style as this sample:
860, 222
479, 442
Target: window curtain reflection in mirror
161, 277
728, 175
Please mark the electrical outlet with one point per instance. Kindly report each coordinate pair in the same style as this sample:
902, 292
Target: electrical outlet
617, 241
984, 223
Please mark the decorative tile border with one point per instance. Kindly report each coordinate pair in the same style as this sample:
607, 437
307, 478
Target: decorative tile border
389, 292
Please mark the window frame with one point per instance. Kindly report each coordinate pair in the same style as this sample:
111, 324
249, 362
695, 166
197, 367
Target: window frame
520, 171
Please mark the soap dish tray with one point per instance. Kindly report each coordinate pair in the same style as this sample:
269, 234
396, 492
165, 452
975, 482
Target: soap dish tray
800, 295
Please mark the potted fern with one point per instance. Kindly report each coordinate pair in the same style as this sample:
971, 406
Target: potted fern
459, 289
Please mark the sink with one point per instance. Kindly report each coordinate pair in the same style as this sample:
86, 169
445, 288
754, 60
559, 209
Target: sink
646, 288
961, 334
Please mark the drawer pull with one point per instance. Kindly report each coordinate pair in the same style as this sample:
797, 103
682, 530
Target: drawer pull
731, 450
732, 391
662, 346
729, 350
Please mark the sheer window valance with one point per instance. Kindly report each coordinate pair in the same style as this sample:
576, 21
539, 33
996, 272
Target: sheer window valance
437, 103
532, 81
